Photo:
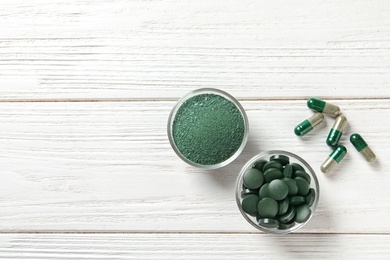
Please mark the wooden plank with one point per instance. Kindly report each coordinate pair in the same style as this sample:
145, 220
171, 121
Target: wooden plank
163, 49
108, 166
193, 246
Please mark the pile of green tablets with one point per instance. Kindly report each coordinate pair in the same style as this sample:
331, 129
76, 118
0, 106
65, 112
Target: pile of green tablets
277, 193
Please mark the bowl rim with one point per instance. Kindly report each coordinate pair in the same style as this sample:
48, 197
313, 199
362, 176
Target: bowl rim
249, 165
197, 92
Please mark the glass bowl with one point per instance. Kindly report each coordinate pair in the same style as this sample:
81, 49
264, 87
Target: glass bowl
226, 96
253, 220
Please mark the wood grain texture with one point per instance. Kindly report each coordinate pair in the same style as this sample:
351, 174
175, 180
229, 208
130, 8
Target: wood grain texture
193, 246
159, 49
109, 166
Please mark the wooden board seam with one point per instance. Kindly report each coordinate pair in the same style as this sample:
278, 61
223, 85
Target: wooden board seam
170, 99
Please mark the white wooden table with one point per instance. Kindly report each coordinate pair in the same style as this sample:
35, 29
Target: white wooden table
86, 168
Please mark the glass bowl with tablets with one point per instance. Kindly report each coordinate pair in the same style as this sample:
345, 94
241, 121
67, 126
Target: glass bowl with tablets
277, 192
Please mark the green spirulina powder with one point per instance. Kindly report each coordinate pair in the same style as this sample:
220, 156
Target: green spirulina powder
208, 129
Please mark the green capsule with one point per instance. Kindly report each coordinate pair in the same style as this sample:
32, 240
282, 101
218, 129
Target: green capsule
334, 158
307, 125
336, 131
322, 106
362, 147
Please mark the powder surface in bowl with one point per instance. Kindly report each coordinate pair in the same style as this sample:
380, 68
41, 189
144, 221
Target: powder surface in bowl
208, 129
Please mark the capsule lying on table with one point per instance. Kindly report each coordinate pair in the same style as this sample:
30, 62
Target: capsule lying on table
336, 131
334, 158
324, 107
308, 125
362, 147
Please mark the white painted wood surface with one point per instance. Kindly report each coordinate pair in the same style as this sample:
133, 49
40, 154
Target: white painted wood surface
192, 246
141, 49
86, 88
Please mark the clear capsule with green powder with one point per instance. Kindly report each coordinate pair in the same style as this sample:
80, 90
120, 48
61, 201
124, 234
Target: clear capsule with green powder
336, 132
308, 125
362, 147
324, 107
334, 158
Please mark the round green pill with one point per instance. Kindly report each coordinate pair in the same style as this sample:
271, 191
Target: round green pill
283, 206
296, 200
263, 192
272, 174
260, 164
267, 208
249, 204
273, 164
277, 189
268, 222
309, 199
289, 216
303, 213
303, 186
288, 171
303, 174
253, 178
297, 167
286, 225
292, 186
282, 159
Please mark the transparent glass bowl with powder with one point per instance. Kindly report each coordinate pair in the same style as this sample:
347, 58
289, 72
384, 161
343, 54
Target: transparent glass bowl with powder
208, 128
